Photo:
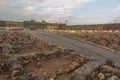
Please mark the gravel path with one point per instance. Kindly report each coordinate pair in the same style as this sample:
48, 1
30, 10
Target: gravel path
80, 47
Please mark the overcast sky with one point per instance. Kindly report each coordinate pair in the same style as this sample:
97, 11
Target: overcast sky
75, 11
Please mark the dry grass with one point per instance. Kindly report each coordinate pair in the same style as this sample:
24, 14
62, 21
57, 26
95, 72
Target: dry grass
111, 40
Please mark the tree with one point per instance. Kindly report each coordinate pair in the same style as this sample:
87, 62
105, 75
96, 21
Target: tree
32, 20
44, 22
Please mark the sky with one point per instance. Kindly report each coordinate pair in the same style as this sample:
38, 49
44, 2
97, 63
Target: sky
73, 12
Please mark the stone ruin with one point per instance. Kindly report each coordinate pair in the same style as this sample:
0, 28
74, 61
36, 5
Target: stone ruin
40, 66
108, 71
19, 42
24, 57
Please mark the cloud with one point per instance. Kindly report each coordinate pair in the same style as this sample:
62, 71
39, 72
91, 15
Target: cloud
49, 10
64, 6
117, 9
29, 8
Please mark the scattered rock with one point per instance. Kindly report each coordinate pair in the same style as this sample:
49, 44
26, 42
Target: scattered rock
4, 66
108, 75
117, 65
114, 78
39, 64
25, 77
77, 77
25, 62
29, 74
75, 64
109, 69
101, 76
38, 59
109, 63
7, 76
15, 74
52, 79
25, 57
16, 66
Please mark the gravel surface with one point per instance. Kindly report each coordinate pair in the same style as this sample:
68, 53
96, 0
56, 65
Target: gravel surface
83, 48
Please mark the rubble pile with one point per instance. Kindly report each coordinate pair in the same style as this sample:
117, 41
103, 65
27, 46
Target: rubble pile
24, 57
14, 70
52, 66
40, 66
24, 43
19, 42
109, 71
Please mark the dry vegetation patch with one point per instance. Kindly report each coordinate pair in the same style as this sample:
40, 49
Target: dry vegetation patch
111, 40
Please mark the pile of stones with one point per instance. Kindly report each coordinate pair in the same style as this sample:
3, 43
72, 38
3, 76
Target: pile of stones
15, 68
109, 71
12, 46
20, 42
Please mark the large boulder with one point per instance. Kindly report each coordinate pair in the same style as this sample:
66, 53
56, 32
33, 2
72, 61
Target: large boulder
85, 71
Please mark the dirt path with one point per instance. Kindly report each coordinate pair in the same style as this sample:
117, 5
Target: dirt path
79, 47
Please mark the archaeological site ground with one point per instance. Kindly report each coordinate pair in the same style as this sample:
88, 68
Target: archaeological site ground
58, 52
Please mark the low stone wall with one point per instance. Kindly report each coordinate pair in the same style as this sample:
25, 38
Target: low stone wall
19, 42
33, 59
